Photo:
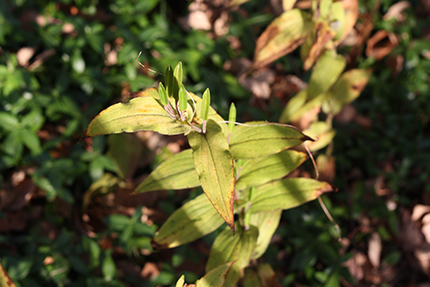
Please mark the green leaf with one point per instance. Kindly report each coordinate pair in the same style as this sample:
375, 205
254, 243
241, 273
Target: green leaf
232, 117
8, 121
346, 89
169, 80
258, 139
294, 104
259, 171
214, 165
31, 141
163, 94
5, 280
181, 281
323, 134
193, 220
282, 36
141, 113
216, 277
325, 73
267, 222
177, 172
287, 193
227, 248
108, 266
182, 98
337, 16
206, 102
177, 79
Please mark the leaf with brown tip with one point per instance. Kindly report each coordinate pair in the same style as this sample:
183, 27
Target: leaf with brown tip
282, 36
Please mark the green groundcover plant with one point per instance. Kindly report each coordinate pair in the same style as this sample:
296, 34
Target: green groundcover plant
240, 167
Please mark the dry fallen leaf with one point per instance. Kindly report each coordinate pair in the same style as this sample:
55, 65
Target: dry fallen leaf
381, 44
397, 11
374, 249
24, 55
351, 16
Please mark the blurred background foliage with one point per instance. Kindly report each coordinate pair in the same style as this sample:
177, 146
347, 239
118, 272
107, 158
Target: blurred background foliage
67, 217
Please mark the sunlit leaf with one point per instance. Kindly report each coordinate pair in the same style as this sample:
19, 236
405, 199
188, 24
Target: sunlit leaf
181, 281
259, 171
325, 73
141, 113
5, 280
345, 90
177, 172
267, 222
287, 193
227, 248
214, 165
216, 277
282, 36
193, 220
257, 139
322, 36
322, 133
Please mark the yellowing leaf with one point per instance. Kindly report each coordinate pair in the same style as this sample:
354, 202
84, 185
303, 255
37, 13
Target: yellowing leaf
5, 280
216, 277
177, 172
259, 171
287, 193
287, 5
141, 113
325, 73
322, 133
267, 276
258, 139
227, 248
345, 90
181, 281
193, 220
214, 165
282, 36
267, 222
250, 279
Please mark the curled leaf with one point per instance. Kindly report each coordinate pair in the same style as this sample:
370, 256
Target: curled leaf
163, 94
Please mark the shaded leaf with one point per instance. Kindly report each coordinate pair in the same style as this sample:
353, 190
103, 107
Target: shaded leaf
287, 193
177, 172
141, 113
258, 139
193, 220
282, 36
259, 171
216, 277
124, 150
267, 223
322, 133
325, 73
250, 279
214, 165
345, 90
106, 184
267, 276
227, 248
